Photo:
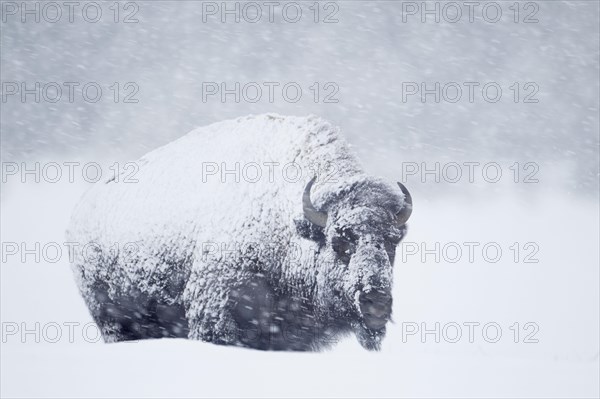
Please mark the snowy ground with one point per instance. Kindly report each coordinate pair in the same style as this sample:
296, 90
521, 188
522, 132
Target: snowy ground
559, 294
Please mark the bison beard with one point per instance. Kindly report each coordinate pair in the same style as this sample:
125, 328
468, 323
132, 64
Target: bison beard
199, 268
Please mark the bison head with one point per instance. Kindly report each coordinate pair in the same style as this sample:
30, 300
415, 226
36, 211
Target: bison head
360, 223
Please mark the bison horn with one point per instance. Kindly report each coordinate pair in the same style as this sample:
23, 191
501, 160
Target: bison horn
404, 214
310, 213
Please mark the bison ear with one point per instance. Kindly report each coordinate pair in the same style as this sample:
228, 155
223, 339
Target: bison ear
309, 231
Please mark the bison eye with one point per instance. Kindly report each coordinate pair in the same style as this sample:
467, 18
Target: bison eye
343, 248
390, 248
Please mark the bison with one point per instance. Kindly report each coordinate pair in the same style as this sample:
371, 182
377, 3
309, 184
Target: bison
262, 232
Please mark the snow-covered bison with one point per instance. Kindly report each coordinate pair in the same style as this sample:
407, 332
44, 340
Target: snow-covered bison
228, 237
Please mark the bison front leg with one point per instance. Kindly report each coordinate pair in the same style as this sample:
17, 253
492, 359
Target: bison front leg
208, 316
208, 305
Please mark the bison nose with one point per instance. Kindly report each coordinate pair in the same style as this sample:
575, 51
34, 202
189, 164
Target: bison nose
376, 308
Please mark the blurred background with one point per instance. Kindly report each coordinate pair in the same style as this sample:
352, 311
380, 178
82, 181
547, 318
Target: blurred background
358, 64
